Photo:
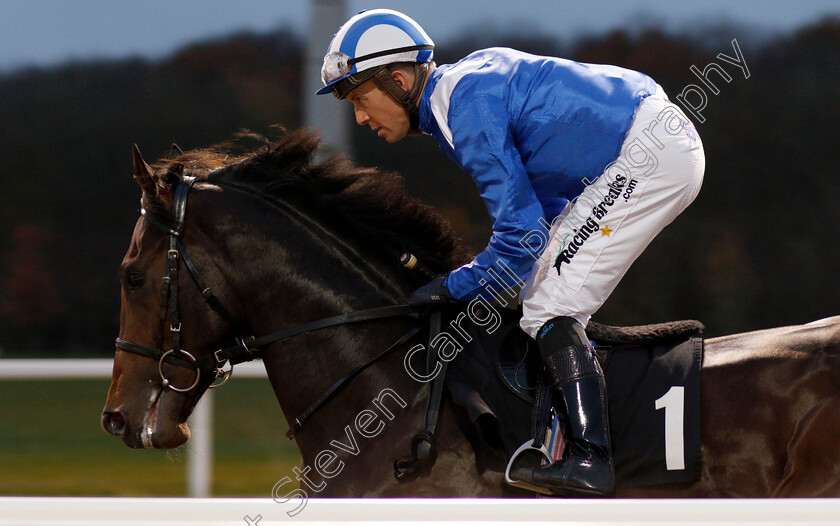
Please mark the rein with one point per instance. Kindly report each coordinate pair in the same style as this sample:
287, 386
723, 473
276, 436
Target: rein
245, 349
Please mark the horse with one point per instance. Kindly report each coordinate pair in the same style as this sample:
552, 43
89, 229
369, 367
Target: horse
275, 241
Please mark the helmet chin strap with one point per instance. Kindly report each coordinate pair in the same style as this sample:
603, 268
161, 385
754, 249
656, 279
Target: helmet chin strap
407, 98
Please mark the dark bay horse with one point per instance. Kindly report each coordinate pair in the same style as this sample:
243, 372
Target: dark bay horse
280, 241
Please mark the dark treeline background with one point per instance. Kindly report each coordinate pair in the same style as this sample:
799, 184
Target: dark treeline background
757, 248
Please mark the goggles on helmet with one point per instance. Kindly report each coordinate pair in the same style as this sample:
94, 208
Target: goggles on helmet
337, 69
336, 65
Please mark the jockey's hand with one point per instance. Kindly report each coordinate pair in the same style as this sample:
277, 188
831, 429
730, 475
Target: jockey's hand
432, 293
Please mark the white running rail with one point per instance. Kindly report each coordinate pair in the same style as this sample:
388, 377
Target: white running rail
200, 446
73, 511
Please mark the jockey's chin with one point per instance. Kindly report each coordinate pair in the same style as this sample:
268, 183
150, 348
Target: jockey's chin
392, 127
392, 136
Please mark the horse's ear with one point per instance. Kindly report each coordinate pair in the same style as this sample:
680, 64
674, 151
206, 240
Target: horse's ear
174, 151
143, 174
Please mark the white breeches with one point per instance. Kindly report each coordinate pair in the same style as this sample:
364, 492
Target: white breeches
596, 238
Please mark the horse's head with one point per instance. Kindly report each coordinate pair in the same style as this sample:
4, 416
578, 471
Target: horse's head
160, 370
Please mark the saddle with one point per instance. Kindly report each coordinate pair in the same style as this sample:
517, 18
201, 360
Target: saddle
518, 363
653, 386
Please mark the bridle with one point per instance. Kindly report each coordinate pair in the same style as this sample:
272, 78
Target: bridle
169, 296
245, 349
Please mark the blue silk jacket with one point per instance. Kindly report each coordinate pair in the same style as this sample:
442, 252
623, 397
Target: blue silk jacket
529, 130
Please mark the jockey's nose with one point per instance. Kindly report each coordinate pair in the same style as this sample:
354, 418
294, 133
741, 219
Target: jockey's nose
362, 117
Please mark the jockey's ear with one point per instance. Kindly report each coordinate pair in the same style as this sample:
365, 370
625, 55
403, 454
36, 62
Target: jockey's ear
403, 78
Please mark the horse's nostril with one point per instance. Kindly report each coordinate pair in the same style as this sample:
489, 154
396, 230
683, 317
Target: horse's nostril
113, 422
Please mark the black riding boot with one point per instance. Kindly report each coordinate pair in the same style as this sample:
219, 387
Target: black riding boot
578, 379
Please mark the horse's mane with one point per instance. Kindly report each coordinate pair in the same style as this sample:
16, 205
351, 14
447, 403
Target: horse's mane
363, 203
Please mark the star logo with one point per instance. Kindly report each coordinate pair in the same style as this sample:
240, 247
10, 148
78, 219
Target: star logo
606, 231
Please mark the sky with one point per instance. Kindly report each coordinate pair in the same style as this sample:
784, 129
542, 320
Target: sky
47, 32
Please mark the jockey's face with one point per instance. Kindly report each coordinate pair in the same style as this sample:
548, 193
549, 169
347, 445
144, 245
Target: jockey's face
375, 108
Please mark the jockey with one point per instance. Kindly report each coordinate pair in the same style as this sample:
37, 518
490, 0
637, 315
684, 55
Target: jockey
580, 165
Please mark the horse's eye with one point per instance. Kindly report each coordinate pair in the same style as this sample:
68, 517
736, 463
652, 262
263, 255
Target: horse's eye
134, 280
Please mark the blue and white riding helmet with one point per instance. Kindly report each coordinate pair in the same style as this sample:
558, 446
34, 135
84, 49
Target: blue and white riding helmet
368, 42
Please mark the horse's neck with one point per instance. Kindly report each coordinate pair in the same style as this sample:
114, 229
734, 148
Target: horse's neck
297, 268
303, 368
296, 271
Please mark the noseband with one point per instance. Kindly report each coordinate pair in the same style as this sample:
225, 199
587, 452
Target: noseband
246, 349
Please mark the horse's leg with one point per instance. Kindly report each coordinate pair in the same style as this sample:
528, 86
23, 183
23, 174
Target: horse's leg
454, 473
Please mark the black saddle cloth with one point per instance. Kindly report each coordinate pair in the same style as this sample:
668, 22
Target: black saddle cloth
653, 388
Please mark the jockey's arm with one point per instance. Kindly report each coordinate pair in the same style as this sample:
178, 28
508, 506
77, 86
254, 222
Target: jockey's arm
485, 147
